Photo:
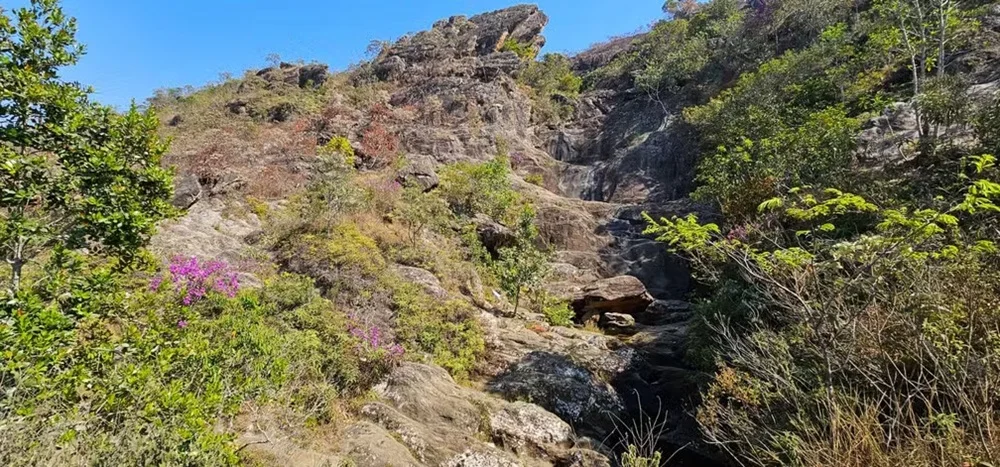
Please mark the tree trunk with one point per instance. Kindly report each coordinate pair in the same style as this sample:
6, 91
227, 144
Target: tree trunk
15, 266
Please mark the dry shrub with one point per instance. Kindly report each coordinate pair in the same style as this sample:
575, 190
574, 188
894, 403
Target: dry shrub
276, 182
380, 146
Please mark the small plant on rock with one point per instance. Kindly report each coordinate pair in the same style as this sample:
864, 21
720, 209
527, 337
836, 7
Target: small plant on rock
558, 313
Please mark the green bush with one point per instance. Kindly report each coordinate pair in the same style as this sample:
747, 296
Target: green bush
525, 52
472, 188
838, 299
559, 313
448, 331
519, 267
170, 372
553, 87
339, 146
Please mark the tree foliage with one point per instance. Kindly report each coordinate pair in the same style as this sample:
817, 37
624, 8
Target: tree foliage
74, 174
858, 322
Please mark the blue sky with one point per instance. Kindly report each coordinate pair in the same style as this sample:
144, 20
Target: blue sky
137, 46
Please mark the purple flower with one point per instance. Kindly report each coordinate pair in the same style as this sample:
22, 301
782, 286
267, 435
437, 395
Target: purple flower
154, 283
193, 279
182, 324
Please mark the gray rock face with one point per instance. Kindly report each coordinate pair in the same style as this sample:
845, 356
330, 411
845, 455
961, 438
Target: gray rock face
425, 279
522, 23
520, 426
665, 312
187, 191
498, 64
601, 54
493, 234
618, 323
428, 394
419, 171
369, 444
563, 387
480, 459
480, 35
442, 423
886, 135
311, 75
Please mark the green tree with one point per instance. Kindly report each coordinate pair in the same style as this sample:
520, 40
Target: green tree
420, 210
73, 174
925, 32
520, 267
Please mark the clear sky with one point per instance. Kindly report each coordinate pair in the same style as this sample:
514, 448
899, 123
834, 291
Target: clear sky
137, 46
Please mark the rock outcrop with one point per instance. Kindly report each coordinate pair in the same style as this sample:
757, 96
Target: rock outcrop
622, 295
311, 75
442, 423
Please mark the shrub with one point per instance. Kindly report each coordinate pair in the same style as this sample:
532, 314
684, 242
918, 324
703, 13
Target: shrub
535, 179
160, 374
339, 146
380, 146
520, 267
553, 87
857, 324
449, 331
558, 313
419, 211
526, 52
192, 279
480, 188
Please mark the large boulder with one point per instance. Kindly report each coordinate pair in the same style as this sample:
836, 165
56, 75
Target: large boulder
886, 136
313, 75
428, 394
443, 423
621, 294
522, 426
369, 444
578, 395
618, 323
419, 172
521, 23
493, 234
187, 191
303, 76
425, 279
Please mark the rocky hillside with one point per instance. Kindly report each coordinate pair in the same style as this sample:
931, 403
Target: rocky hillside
591, 163
449, 95
760, 233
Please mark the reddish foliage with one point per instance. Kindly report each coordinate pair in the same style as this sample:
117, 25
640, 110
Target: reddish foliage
379, 145
275, 182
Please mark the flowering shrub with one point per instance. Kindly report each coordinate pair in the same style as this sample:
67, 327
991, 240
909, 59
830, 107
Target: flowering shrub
193, 279
374, 354
372, 340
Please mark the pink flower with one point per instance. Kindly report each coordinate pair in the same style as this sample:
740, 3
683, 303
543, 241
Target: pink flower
154, 283
182, 324
193, 279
